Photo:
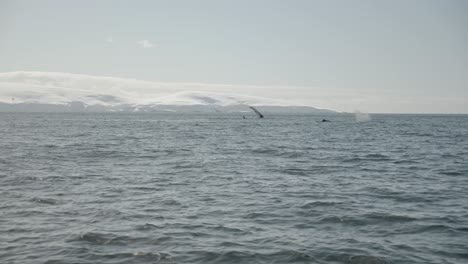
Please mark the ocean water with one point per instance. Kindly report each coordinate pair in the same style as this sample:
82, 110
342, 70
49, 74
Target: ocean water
174, 188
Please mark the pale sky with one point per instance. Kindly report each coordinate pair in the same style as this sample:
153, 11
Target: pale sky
408, 56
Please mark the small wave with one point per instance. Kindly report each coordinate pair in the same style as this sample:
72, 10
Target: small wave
101, 239
147, 227
18, 230
405, 162
264, 151
231, 230
425, 228
76, 135
48, 201
162, 240
291, 256
374, 218
50, 146
103, 154
454, 173
450, 156
108, 213
462, 229
130, 257
229, 244
418, 134
171, 202
295, 171
353, 159
376, 156
156, 256
334, 219
218, 257
259, 215
233, 256
390, 217
409, 198
363, 259
368, 157
311, 205
278, 152
30, 213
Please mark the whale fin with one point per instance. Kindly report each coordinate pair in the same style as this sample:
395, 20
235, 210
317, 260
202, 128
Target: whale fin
256, 111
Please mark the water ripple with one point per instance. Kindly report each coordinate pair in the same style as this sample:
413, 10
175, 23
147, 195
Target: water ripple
167, 188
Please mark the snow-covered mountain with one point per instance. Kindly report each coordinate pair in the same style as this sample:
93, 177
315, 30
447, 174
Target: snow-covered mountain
53, 91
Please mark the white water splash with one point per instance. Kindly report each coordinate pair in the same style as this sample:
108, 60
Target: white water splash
361, 117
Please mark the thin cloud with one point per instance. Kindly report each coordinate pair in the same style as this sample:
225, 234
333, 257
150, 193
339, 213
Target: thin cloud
146, 44
109, 39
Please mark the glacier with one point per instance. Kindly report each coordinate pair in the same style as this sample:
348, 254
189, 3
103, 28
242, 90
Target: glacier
25, 91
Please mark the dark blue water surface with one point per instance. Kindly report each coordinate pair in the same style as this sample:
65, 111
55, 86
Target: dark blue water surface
173, 188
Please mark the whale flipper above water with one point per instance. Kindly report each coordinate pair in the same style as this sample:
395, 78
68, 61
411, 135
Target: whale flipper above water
256, 111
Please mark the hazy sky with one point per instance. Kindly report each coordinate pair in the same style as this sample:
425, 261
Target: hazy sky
376, 56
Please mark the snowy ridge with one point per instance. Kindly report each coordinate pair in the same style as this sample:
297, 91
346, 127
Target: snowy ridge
35, 91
